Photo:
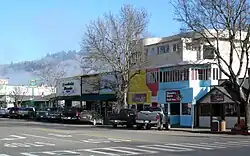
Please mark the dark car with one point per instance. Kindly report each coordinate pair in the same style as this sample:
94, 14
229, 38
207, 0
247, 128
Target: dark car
71, 114
14, 112
42, 114
55, 113
124, 117
26, 112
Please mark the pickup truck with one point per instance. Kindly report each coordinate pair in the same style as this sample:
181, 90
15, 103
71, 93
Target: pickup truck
124, 117
27, 112
151, 117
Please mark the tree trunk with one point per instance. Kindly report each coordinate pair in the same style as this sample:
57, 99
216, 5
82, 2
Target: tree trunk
247, 115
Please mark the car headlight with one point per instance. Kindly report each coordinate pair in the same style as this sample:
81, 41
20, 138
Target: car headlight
46, 113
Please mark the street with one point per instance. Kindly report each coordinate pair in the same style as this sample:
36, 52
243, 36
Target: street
28, 138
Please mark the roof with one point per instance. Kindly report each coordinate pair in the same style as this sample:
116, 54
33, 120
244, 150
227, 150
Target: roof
226, 90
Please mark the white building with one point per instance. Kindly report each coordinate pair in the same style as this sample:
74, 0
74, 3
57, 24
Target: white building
7, 91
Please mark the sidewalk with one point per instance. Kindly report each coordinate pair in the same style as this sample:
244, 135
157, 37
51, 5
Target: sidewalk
208, 131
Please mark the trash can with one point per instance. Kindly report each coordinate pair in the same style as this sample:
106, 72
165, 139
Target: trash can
215, 126
222, 125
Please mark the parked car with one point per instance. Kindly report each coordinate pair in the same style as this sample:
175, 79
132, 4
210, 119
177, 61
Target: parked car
90, 117
26, 112
42, 114
55, 114
13, 113
71, 114
4, 112
124, 117
150, 117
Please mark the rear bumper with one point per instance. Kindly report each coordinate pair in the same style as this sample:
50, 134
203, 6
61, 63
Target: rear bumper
69, 118
146, 122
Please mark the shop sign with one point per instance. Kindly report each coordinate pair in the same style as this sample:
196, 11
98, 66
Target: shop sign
173, 96
139, 97
217, 97
69, 87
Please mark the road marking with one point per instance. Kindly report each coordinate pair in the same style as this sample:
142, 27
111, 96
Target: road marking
109, 140
27, 145
192, 146
138, 149
43, 137
13, 137
4, 155
29, 154
59, 135
161, 148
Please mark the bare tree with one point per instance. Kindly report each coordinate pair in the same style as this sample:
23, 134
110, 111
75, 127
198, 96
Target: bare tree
18, 93
50, 74
222, 20
112, 42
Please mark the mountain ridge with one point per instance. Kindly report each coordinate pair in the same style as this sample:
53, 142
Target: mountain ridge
21, 73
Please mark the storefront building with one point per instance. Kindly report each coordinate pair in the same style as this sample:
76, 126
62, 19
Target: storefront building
139, 95
179, 89
69, 89
220, 103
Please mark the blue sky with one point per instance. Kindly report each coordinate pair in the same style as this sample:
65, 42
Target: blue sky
30, 29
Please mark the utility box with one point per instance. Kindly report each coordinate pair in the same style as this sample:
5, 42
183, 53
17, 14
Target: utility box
215, 126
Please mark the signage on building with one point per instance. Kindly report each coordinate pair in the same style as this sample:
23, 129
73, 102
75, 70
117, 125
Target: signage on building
217, 97
69, 87
139, 97
173, 96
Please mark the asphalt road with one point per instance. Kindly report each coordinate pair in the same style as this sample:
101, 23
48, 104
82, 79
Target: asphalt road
22, 138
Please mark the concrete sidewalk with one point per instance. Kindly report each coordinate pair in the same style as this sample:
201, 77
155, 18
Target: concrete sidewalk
208, 131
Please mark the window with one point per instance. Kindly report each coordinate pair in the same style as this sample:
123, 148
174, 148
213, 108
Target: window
174, 47
208, 52
205, 110
186, 109
200, 74
167, 48
188, 46
175, 108
152, 77
161, 77
231, 109
175, 75
161, 50
216, 74
204, 74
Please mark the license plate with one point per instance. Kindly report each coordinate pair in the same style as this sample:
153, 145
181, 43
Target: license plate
146, 122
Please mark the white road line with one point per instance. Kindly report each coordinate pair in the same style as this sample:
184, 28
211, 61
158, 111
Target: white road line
99, 152
60, 135
4, 155
215, 146
200, 145
154, 147
50, 138
49, 153
190, 146
138, 149
116, 149
29, 154
174, 147
14, 137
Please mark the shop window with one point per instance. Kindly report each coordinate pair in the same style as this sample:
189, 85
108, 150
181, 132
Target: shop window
230, 109
175, 108
186, 109
217, 109
205, 110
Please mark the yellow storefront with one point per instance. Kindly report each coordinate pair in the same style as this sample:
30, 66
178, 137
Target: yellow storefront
139, 94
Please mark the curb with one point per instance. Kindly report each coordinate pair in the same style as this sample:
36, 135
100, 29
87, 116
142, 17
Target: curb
212, 132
